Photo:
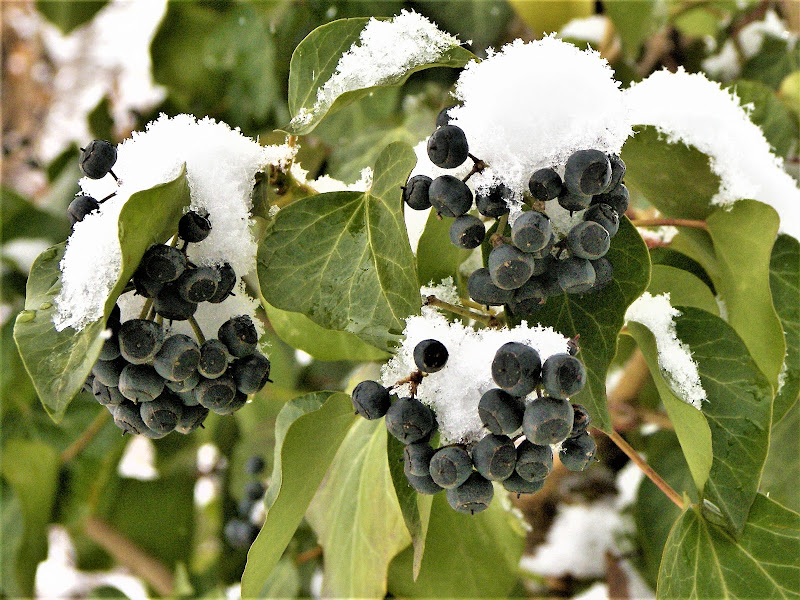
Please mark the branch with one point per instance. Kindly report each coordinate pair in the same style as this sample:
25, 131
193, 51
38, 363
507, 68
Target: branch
127, 553
87, 436
673, 222
488, 320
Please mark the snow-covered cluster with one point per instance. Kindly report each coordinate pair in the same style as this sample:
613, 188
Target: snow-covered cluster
531, 105
674, 357
221, 165
386, 49
689, 108
454, 392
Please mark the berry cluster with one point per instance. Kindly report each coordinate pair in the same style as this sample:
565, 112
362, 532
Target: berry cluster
241, 531
522, 426
531, 264
96, 161
154, 383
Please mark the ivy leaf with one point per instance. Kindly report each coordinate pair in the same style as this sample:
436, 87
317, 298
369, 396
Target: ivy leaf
308, 433
437, 257
683, 287
315, 60
635, 22
357, 517
773, 62
781, 477
354, 270
59, 361
703, 561
598, 317
784, 281
69, 15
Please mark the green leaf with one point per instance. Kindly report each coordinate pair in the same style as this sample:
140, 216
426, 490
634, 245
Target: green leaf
437, 257
781, 477
68, 15
773, 62
357, 517
690, 424
634, 21
683, 287
12, 524
416, 508
675, 178
598, 317
308, 433
21, 219
302, 333
483, 23
779, 125
343, 258
283, 582
698, 22
315, 60
784, 282
703, 561
465, 556
59, 361
738, 411
31, 469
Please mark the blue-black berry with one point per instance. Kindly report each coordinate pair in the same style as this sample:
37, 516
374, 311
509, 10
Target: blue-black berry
409, 420
472, 496
178, 358
251, 373
415, 192
547, 421
430, 356
239, 336
447, 147
467, 231
80, 207
450, 466
589, 240
194, 227
516, 368
97, 159
545, 184
450, 196
494, 457
140, 340
371, 400
563, 376
493, 202
577, 453
588, 172
500, 412
482, 289
417, 458
534, 461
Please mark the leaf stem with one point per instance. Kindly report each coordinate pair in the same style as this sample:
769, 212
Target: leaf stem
646, 469
308, 555
488, 320
146, 308
87, 436
670, 222
197, 331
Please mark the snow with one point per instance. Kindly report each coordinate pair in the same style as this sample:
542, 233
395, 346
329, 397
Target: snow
531, 105
691, 109
22, 252
454, 392
590, 29
674, 357
139, 460
386, 49
221, 165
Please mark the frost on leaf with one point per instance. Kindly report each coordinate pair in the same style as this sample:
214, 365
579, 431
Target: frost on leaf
221, 165
386, 49
688, 108
674, 357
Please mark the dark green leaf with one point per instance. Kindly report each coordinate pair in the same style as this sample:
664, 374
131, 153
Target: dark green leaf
773, 62
315, 60
784, 281
357, 517
69, 15
308, 433
598, 317
675, 178
770, 114
671, 258
12, 522
283, 582
781, 478
465, 556
634, 21
343, 258
101, 123
21, 219
59, 361
683, 288
703, 561
437, 257
483, 23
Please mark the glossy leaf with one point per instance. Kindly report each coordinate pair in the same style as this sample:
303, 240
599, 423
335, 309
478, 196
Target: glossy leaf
598, 317
343, 258
357, 517
781, 477
703, 561
316, 58
437, 257
59, 361
308, 433
683, 287
784, 282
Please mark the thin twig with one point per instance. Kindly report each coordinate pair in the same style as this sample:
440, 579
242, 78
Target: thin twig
488, 320
146, 309
646, 469
308, 555
87, 436
670, 222
479, 307
197, 331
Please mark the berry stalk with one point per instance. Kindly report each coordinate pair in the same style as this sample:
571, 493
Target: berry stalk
488, 320
696, 224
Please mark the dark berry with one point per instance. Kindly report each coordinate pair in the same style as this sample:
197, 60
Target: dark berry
430, 356
482, 289
251, 373
184, 385
105, 395
617, 198
605, 215
192, 417
240, 534
114, 319
563, 376
516, 368
371, 400
227, 281
417, 458
239, 336
450, 196
216, 394
573, 202
110, 348
534, 461
472, 496
97, 159
493, 202
603, 273
145, 286
447, 147
140, 340
494, 457
545, 184
409, 420
254, 465
531, 232
547, 421
423, 484
575, 275
509, 267
415, 192
467, 231
450, 466
162, 414
588, 240
140, 383
238, 401
178, 358
108, 372
580, 421
126, 417
194, 227
518, 485
171, 305
254, 490
617, 170
588, 172
577, 453
163, 263
500, 412
527, 300
80, 207
443, 118
213, 359
198, 284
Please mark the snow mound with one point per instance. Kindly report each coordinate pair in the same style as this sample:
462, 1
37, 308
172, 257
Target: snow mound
531, 105
689, 108
674, 357
221, 165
